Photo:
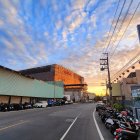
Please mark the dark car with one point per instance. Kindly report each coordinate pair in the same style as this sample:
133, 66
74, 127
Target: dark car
18, 106
27, 105
57, 103
62, 102
100, 106
3, 107
10, 107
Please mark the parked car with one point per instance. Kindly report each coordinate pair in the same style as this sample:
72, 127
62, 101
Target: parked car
41, 104
100, 106
62, 102
3, 107
18, 106
50, 102
57, 103
69, 102
10, 107
27, 105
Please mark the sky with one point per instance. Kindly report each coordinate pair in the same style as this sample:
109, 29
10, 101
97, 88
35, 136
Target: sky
72, 33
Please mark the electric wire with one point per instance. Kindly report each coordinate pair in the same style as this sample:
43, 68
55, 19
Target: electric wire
123, 20
126, 65
112, 23
115, 25
125, 29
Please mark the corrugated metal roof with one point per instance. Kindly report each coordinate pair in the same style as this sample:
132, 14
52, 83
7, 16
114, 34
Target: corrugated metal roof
2, 67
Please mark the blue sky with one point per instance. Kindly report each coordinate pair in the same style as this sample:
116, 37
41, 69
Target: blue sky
71, 33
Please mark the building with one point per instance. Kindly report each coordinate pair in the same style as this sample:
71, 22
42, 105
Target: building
129, 84
73, 83
18, 88
54, 73
130, 92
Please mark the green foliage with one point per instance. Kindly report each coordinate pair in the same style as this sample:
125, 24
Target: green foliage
118, 106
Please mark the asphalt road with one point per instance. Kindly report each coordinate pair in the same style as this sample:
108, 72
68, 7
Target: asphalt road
69, 122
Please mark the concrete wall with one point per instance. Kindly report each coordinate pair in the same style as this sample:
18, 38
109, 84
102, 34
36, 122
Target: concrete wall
14, 84
138, 76
126, 89
131, 80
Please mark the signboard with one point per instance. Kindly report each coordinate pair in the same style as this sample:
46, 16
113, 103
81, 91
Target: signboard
116, 89
138, 29
135, 90
138, 113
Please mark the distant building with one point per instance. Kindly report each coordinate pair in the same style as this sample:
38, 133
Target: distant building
73, 83
91, 96
54, 73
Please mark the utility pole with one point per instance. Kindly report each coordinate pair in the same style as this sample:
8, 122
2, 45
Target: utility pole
105, 65
106, 92
54, 90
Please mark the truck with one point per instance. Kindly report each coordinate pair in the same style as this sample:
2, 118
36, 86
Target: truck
68, 101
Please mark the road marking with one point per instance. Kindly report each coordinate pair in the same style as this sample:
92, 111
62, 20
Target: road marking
13, 125
98, 129
69, 120
62, 138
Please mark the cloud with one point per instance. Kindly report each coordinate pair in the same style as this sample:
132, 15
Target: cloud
126, 56
19, 44
78, 4
72, 34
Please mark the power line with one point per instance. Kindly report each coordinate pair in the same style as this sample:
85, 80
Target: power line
121, 25
126, 66
112, 23
125, 29
137, 56
115, 25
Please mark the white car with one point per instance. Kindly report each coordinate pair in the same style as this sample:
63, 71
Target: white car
41, 104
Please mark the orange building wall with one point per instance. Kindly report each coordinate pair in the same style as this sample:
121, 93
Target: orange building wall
67, 76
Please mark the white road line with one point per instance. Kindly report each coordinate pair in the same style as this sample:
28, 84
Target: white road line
12, 125
62, 138
98, 129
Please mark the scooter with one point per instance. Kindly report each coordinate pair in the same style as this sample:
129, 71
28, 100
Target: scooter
121, 134
127, 133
